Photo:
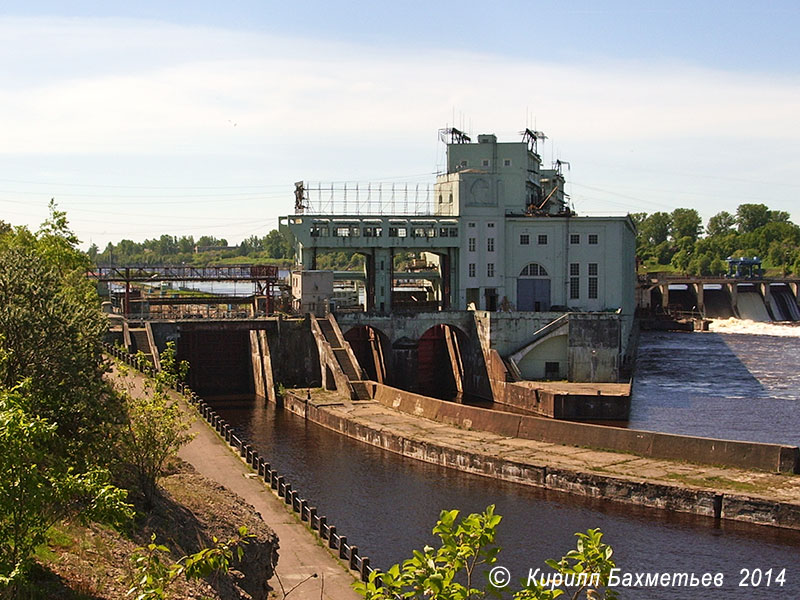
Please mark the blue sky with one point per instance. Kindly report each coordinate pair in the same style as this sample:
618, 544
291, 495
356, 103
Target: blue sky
196, 118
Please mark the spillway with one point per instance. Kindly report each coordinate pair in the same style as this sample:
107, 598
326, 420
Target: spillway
751, 305
784, 304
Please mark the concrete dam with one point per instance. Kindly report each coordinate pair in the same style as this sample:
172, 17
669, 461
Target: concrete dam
722, 298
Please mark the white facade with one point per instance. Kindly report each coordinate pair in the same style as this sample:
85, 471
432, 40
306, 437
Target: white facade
521, 248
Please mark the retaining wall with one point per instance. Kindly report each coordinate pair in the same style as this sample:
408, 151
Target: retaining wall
654, 495
650, 444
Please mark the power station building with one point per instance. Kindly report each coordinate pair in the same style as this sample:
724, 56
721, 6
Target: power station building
497, 228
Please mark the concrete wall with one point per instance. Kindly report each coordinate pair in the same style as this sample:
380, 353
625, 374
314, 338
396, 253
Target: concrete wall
747, 455
618, 489
595, 344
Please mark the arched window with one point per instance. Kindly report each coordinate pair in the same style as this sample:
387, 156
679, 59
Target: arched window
533, 270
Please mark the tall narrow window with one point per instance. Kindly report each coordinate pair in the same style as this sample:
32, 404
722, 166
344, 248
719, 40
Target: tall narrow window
490, 269
592, 280
471, 246
472, 269
574, 281
490, 244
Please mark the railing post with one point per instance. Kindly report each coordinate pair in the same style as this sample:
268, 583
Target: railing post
323, 524
365, 568
332, 536
342, 546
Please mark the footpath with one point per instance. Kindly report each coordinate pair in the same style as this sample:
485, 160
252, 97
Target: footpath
301, 556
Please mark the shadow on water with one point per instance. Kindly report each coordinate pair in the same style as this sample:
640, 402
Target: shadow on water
387, 504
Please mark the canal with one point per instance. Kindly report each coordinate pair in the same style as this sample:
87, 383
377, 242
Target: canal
387, 504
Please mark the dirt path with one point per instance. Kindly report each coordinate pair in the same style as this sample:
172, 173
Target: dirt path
301, 555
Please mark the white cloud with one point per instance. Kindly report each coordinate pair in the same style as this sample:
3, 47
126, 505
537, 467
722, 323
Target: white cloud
100, 87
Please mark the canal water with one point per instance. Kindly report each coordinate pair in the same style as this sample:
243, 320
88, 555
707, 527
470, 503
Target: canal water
387, 504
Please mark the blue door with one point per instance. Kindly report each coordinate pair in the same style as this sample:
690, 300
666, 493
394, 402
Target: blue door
533, 294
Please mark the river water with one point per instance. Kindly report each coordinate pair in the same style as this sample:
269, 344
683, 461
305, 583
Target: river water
387, 504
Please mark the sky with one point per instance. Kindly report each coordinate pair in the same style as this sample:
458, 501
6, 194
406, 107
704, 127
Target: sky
180, 118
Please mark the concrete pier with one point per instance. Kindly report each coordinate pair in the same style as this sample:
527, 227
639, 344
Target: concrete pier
762, 497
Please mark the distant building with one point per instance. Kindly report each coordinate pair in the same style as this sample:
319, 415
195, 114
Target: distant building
312, 291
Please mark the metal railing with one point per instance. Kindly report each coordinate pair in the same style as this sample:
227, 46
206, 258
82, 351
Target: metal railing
347, 552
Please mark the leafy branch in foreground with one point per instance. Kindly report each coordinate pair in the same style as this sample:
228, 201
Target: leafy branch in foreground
153, 577
468, 548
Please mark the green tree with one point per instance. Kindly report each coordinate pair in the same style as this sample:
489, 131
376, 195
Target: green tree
153, 576
750, 217
468, 549
685, 222
38, 487
721, 223
156, 426
655, 229
52, 329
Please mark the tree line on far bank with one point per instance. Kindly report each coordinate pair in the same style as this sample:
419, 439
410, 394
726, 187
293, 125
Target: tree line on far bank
677, 241
276, 247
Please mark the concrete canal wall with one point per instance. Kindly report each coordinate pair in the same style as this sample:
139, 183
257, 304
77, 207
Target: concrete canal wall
745, 455
631, 490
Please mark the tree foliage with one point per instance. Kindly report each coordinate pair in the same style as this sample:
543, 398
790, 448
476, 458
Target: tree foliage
52, 330
153, 576
275, 246
468, 549
676, 239
39, 487
156, 426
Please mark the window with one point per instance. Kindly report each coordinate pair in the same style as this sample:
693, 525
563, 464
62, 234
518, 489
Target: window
485, 162
593, 239
490, 269
398, 232
490, 244
542, 239
593, 288
524, 239
574, 238
472, 269
490, 225
592, 280
574, 281
506, 162
373, 231
470, 224
533, 270
471, 242
464, 163
454, 232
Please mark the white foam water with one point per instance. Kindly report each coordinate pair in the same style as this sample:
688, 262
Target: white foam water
748, 327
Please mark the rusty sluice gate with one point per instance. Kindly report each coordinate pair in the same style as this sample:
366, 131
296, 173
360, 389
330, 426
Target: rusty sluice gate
432, 366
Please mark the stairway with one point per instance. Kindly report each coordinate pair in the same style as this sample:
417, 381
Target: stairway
359, 389
140, 343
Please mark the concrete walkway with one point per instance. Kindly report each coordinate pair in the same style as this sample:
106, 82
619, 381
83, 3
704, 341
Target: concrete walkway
300, 554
